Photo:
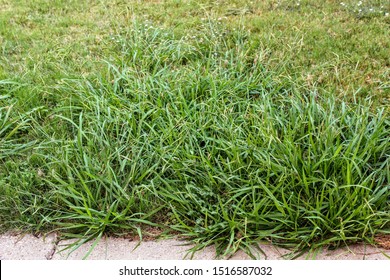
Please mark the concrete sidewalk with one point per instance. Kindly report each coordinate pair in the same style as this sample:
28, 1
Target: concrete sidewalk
29, 247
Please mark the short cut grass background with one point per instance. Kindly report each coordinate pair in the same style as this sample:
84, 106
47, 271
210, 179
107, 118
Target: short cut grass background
224, 122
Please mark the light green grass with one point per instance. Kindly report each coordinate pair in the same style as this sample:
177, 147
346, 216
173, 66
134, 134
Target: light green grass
201, 125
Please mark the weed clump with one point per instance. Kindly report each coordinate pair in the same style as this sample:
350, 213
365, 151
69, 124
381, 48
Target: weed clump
203, 132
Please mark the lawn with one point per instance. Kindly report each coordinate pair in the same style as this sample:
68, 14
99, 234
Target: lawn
223, 122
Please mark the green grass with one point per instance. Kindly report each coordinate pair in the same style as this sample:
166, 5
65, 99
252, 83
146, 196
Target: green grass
226, 123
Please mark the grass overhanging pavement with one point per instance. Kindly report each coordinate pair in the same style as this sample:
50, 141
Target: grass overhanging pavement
197, 135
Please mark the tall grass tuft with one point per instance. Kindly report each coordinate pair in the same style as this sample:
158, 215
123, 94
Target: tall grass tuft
197, 136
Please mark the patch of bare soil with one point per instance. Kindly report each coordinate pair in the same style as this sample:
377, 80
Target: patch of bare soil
149, 233
383, 240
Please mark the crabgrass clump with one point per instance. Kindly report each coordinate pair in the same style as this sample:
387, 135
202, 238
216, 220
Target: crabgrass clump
199, 137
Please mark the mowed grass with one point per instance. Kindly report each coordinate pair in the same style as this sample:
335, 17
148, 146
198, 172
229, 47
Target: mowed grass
226, 122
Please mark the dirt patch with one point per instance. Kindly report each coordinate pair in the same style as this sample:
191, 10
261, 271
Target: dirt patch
149, 233
383, 240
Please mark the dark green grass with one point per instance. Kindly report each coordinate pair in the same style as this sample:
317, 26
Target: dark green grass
196, 136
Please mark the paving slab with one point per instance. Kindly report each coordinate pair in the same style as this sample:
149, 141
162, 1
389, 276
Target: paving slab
26, 247
124, 249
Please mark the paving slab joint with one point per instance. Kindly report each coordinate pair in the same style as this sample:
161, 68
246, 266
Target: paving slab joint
56, 240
